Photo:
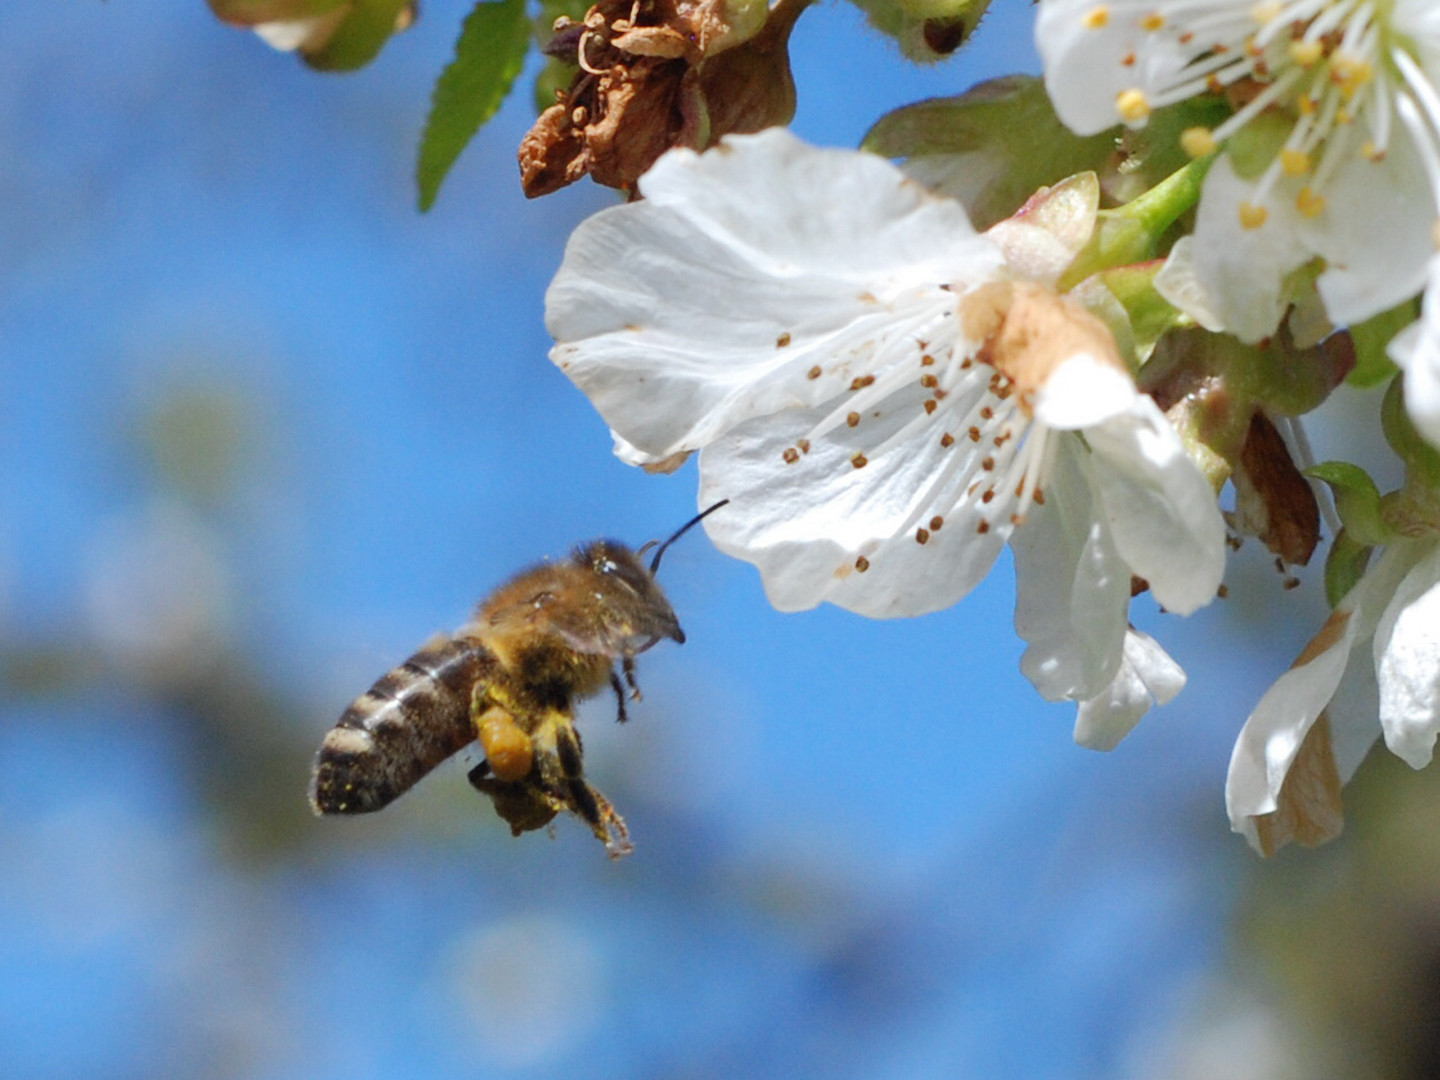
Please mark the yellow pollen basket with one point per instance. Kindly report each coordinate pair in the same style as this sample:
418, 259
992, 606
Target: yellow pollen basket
1132, 105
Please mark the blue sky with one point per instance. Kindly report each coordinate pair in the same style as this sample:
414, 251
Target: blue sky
863, 849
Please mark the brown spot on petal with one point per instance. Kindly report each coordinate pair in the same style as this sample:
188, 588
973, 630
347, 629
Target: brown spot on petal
859, 461
936, 522
814, 372
791, 455
947, 440
782, 340
853, 419
1309, 809
922, 535
862, 564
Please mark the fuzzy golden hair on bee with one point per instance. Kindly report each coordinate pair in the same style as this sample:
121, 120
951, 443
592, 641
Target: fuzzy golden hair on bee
551, 636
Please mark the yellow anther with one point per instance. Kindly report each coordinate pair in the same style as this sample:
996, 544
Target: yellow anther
1252, 216
1152, 22
1370, 152
1132, 106
1096, 18
1295, 162
1350, 74
1344, 116
1306, 53
1310, 203
1306, 105
1198, 142
1266, 12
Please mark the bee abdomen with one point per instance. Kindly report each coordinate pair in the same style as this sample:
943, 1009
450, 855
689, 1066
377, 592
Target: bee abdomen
413, 718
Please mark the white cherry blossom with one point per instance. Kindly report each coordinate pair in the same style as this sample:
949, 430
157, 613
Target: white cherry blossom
887, 397
1354, 178
1373, 670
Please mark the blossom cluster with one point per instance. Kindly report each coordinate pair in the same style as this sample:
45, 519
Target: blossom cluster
1075, 312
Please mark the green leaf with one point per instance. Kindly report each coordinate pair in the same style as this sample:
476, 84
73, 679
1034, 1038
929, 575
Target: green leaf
1009, 131
488, 56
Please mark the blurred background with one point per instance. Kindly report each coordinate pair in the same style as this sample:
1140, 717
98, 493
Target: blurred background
265, 429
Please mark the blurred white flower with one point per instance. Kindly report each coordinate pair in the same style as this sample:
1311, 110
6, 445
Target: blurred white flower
885, 396
1417, 350
1352, 173
1373, 669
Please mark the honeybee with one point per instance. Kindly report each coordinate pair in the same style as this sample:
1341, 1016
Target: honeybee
510, 677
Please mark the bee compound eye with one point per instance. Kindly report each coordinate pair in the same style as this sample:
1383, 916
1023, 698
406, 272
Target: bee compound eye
508, 749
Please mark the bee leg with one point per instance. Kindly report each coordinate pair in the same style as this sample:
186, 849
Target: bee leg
628, 666
477, 775
619, 697
607, 825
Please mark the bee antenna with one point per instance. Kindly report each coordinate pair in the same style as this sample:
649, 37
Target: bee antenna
655, 562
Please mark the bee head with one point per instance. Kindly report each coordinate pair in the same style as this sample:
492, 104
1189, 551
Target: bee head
633, 609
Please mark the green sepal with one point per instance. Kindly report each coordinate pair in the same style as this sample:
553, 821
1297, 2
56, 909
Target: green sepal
1372, 362
1344, 566
1422, 461
1132, 233
488, 56
359, 37
1009, 120
1151, 315
1357, 501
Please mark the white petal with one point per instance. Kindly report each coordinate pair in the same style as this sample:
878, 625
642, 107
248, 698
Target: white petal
1243, 270
1083, 391
1274, 732
1179, 283
1087, 68
805, 525
1072, 591
709, 302
1407, 663
1375, 233
1147, 676
1417, 350
1159, 506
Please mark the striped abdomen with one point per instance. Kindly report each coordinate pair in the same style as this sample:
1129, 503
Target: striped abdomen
401, 728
